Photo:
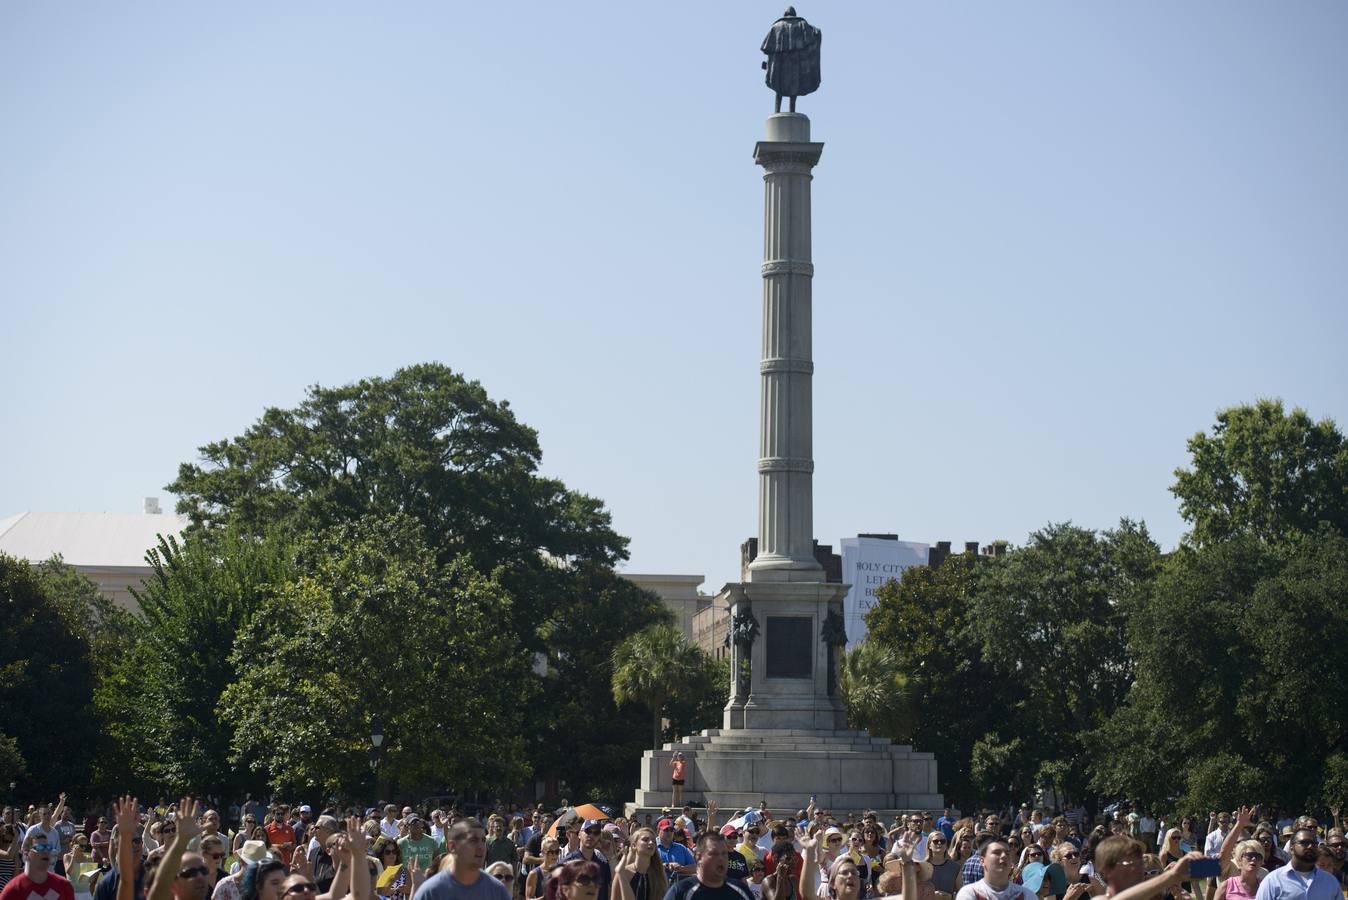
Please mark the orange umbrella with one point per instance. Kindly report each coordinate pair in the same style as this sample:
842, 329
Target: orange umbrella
590, 811
572, 813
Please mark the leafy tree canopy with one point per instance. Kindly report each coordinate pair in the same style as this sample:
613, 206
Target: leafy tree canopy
1050, 617
161, 698
377, 627
1266, 473
426, 443
925, 619
1236, 647
46, 684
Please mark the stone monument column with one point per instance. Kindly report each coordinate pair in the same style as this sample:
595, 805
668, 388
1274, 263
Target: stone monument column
786, 445
785, 735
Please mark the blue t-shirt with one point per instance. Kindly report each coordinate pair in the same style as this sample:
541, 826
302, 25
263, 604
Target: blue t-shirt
442, 886
675, 853
947, 827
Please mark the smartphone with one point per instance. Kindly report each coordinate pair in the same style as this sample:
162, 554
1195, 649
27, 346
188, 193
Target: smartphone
1205, 868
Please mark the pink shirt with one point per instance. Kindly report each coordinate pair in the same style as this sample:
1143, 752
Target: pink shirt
1233, 888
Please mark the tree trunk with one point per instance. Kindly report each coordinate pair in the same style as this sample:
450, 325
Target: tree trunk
657, 707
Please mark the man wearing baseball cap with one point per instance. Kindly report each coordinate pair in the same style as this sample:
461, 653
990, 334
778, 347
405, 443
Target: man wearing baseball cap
677, 859
589, 851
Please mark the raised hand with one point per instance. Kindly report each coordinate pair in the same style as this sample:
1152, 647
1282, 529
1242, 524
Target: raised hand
628, 865
778, 884
1245, 815
1075, 891
355, 838
902, 851
125, 814
188, 825
340, 850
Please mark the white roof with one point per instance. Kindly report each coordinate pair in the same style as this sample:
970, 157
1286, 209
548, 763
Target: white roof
97, 540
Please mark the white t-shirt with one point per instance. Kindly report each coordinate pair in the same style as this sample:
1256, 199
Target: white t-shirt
388, 829
981, 890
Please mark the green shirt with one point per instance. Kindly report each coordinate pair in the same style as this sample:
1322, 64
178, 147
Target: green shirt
418, 853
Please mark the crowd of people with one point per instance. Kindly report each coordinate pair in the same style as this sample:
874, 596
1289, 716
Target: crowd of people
186, 851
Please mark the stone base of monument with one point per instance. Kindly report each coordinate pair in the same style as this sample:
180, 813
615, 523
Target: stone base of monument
847, 771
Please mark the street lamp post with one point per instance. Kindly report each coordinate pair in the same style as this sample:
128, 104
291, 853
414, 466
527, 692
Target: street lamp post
376, 753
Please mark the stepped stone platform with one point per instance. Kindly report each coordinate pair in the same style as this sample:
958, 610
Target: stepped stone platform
847, 771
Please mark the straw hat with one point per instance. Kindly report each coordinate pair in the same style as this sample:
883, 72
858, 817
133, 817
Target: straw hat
253, 852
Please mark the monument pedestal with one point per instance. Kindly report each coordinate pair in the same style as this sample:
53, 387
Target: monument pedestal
846, 771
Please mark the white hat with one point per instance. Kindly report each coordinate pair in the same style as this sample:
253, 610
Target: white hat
253, 851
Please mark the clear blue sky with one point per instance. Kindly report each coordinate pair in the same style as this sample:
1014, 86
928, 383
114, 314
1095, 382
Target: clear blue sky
1051, 240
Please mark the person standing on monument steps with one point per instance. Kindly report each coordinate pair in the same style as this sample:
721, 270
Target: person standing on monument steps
711, 881
678, 768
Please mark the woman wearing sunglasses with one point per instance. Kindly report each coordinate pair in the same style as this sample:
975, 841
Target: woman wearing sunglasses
503, 872
945, 870
537, 883
1243, 884
1064, 876
389, 854
576, 880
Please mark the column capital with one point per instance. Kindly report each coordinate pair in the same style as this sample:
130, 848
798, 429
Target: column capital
787, 157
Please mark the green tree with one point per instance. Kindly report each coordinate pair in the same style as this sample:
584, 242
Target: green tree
652, 666
46, 685
375, 626
161, 699
700, 702
107, 626
13, 767
577, 733
1266, 473
1050, 616
1237, 649
425, 443
1238, 643
432, 445
875, 692
926, 620
1002, 769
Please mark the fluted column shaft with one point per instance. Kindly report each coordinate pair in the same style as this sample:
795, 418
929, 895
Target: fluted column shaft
786, 449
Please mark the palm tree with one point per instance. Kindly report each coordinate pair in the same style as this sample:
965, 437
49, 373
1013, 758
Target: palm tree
874, 691
650, 666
